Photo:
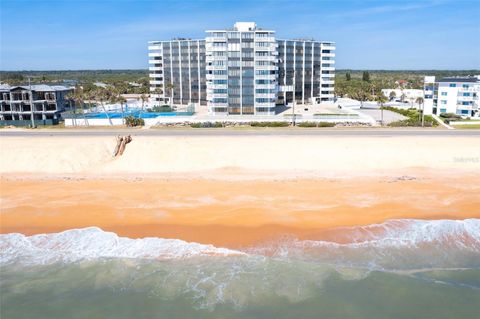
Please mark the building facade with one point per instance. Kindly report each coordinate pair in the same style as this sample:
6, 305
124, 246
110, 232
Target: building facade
43, 102
241, 71
458, 95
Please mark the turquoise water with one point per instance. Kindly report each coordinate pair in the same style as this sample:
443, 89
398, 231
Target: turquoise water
400, 269
137, 114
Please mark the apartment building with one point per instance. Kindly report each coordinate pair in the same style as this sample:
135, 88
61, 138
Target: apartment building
44, 102
244, 70
458, 95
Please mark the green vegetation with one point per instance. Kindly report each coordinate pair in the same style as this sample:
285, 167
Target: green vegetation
450, 117
315, 124
131, 121
467, 126
366, 85
161, 108
269, 124
207, 125
414, 117
125, 81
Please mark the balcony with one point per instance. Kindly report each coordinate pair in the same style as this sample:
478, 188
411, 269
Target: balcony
328, 55
266, 58
155, 82
331, 82
158, 62
327, 47
266, 86
155, 54
155, 75
154, 47
326, 95
328, 68
155, 68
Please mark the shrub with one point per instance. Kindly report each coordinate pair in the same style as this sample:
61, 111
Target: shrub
207, 125
315, 124
307, 124
162, 108
326, 124
269, 124
131, 121
450, 116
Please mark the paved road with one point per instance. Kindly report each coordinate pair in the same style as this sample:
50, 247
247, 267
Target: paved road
242, 132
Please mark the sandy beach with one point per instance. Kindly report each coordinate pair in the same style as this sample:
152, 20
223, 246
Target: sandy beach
234, 191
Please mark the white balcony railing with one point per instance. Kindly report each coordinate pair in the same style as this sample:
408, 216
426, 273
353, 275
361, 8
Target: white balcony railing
154, 47
155, 68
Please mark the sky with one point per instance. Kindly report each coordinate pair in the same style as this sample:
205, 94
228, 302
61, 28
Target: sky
114, 34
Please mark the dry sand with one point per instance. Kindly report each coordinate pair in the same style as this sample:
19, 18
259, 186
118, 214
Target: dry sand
216, 190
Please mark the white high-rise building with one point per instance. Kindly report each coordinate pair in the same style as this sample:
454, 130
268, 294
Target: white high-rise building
244, 70
457, 95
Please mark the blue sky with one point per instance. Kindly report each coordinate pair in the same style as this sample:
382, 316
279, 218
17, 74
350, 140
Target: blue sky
113, 34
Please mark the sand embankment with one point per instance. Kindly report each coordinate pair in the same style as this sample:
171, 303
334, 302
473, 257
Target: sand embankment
322, 156
234, 191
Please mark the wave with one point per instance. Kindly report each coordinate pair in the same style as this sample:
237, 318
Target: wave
394, 244
93, 243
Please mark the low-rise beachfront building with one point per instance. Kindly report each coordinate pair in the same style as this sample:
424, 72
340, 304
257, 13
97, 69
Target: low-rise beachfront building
45, 103
244, 70
457, 95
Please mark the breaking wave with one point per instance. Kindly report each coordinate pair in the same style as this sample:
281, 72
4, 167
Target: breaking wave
397, 252
93, 243
392, 245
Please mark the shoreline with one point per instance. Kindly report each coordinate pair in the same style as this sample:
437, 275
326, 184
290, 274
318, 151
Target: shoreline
234, 192
229, 213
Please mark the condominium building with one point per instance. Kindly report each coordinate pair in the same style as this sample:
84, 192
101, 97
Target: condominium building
44, 102
241, 71
458, 95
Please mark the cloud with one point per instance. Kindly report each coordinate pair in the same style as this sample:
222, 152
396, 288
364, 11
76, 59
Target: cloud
402, 7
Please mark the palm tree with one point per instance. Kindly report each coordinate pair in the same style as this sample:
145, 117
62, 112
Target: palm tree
144, 98
78, 96
102, 95
380, 100
419, 101
170, 86
116, 97
392, 95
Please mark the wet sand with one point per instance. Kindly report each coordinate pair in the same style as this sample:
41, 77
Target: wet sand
232, 213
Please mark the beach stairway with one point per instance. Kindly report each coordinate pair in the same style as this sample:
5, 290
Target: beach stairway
122, 142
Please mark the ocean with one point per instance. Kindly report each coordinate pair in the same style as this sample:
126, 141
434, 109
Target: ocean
402, 268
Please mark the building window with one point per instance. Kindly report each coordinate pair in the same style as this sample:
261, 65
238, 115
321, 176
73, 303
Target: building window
444, 102
466, 94
465, 86
453, 85
444, 93
443, 110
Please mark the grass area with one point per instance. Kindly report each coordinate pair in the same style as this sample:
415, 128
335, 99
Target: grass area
414, 118
468, 126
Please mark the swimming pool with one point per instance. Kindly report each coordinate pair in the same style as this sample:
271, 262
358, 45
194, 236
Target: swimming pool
137, 114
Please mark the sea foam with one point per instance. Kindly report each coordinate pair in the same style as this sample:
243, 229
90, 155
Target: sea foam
394, 244
94, 243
